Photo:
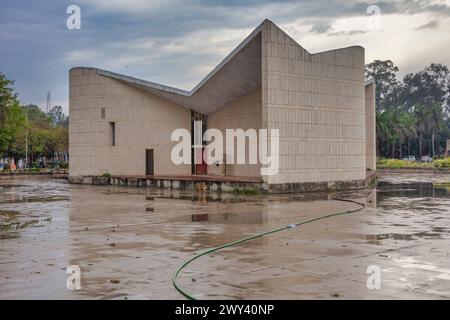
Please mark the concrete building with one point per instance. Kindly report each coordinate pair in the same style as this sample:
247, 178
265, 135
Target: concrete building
324, 110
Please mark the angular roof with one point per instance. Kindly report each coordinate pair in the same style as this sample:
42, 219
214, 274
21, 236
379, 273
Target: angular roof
238, 74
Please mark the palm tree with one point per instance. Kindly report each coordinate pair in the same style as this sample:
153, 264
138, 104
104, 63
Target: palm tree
423, 118
405, 126
429, 121
386, 136
436, 124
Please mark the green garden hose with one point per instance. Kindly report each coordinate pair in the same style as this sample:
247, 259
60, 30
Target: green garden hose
230, 244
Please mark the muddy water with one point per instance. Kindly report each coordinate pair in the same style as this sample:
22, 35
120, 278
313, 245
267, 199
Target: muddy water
128, 242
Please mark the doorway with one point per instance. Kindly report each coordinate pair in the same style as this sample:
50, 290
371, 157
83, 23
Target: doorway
198, 127
149, 163
201, 168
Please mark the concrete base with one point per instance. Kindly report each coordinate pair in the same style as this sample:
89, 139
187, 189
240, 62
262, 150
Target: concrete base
33, 175
321, 186
208, 184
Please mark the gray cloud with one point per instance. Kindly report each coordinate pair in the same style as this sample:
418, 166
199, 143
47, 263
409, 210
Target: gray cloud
168, 41
320, 28
347, 33
433, 24
439, 7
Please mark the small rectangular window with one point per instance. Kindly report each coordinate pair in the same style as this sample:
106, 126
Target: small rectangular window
103, 113
112, 129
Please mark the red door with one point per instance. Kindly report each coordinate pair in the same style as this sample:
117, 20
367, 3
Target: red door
203, 167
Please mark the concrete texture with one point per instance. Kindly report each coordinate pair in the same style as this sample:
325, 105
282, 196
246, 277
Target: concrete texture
244, 113
319, 102
142, 121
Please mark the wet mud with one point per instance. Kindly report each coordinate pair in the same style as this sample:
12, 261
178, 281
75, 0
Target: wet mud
128, 242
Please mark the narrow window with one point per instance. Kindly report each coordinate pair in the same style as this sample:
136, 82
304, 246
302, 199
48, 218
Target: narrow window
112, 130
103, 113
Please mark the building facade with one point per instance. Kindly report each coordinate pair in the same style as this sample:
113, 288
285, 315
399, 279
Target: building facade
320, 103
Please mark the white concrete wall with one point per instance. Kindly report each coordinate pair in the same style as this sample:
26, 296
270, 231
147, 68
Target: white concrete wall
244, 113
143, 121
318, 103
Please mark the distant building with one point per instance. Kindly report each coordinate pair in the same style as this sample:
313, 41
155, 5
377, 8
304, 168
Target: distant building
320, 103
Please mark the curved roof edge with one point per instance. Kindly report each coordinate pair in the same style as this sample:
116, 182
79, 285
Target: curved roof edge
144, 83
178, 91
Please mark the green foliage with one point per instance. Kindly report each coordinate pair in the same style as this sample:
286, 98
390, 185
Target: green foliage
445, 185
36, 116
412, 116
63, 165
383, 73
20, 126
7, 98
57, 117
11, 118
442, 163
396, 164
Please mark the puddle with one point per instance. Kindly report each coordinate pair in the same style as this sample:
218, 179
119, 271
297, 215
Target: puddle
377, 239
139, 236
34, 199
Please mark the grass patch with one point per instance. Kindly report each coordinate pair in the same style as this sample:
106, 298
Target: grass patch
397, 163
442, 163
445, 185
8, 214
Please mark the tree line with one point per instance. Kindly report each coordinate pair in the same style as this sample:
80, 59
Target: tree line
412, 115
45, 134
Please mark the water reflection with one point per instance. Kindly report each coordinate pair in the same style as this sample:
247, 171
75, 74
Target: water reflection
139, 236
414, 189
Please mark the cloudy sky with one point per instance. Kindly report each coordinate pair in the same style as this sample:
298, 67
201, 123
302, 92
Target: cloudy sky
177, 42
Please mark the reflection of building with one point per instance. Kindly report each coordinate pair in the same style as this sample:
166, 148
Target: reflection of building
371, 200
319, 102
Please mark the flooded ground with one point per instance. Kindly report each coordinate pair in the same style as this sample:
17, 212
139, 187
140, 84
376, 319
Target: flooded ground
128, 242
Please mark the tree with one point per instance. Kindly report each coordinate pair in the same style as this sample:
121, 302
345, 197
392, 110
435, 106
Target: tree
57, 116
412, 111
37, 116
405, 127
428, 87
7, 98
386, 136
437, 124
29, 128
11, 116
386, 84
424, 123
428, 97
